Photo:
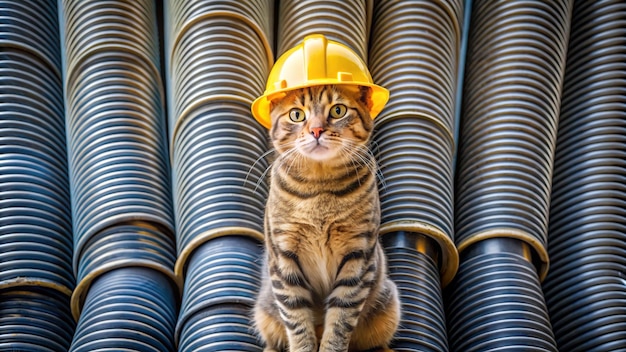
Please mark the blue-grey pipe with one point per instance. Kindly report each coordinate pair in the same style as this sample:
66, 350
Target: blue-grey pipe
223, 272
35, 319
414, 52
128, 309
512, 92
495, 301
35, 222
341, 21
115, 122
219, 54
413, 261
585, 289
136, 244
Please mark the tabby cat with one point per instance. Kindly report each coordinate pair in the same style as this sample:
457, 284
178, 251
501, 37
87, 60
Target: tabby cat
325, 285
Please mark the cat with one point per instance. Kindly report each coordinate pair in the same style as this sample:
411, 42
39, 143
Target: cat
325, 285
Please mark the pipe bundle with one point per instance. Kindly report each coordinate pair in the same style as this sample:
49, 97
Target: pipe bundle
118, 165
36, 277
219, 54
585, 289
516, 60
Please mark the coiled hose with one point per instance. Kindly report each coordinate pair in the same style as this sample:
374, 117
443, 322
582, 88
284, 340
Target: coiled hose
36, 278
516, 60
585, 289
118, 165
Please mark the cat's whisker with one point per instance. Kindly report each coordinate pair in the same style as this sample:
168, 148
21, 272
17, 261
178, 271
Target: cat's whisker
256, 186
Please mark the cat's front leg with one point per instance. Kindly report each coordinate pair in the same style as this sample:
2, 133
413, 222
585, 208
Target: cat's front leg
344, 305
294, 302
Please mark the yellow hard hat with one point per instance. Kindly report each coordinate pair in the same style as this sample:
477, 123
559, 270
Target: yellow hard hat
317, 61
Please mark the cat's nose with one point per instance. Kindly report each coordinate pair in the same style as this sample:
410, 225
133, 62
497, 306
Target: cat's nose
317, 132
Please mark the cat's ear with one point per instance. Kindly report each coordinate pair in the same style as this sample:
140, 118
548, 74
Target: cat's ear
273, 104
365, 96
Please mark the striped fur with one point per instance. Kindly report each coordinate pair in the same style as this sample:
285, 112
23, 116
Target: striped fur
325, 285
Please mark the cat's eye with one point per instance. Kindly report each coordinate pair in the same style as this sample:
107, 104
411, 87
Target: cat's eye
296, 115
338, 111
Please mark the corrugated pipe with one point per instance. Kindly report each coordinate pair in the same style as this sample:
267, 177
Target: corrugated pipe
413, 261
516, 59
585, 289
127, 309
344, 21
414, 52
219, 54
35, 236
35, 319
496, 303
221, 285
118, 166
36, 277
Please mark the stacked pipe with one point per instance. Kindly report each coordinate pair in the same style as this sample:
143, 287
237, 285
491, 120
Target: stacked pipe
516, 56
414, 53
585, 289
120, 190
219, 55
36, 276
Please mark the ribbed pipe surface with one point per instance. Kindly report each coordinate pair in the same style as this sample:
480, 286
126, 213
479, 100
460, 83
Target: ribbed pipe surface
585, 289
35, 319
414, 53
116, 128
223, 327
259, 13
128, 309
220, 55
224, 271
516, 55
135, 244
218, 158
495, 303
415, 272
344, 21
35, 223
32, 28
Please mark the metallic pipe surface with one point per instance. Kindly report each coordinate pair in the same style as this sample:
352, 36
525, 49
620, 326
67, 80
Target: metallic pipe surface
224, 271
495, 301
344, 21
127, 309
115, 123
511, 103
585, 289
35, 223
35, 319
413, 266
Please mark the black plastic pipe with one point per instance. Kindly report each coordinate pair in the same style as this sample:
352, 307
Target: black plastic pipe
413, 261
495, 301
515, 65
585, 289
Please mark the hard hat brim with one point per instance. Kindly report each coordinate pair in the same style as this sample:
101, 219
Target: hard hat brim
261, 106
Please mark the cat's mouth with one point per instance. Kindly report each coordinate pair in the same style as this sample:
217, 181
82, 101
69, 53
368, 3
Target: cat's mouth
318, 150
